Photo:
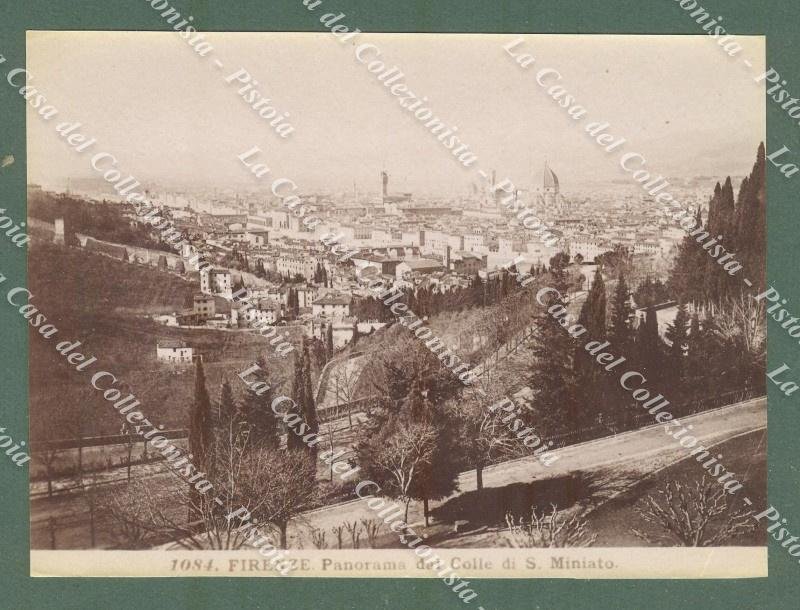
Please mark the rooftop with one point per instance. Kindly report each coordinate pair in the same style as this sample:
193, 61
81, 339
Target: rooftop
422, 263
330, 299
171, 344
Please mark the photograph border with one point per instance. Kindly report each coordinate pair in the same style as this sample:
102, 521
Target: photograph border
775, 19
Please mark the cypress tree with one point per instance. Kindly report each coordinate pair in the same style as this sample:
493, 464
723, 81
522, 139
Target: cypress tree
200, 424
593, 319
740, 227
621, 338
309, 408
714, 212
751, 222
621, 334
721, 227
687, 277
551, 375
329, 343
226, 431
678, 333
727, 219
649, 348
591, 385
304, 400
294, 441
257, 409
439, 478
593, 311
476, 289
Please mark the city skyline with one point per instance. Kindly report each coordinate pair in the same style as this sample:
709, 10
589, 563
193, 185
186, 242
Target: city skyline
355, 130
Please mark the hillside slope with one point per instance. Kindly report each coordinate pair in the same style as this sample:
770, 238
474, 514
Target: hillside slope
91, 298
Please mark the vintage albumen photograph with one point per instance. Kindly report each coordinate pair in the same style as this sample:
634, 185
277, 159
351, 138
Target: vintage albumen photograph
364, 304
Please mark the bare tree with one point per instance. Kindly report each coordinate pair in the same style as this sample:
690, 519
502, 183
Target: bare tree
272, 486
338, 530
741, 323
549, 531
403, 454
345, 380
483, 432
127, 522
371, 527
692, 514
355, 534
281, 485
318, 539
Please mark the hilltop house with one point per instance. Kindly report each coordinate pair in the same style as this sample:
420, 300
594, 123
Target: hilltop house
331, 306
174, 352
216, 281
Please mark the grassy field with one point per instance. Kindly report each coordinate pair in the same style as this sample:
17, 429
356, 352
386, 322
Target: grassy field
103, 303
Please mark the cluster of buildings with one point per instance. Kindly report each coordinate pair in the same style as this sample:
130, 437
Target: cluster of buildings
291, 275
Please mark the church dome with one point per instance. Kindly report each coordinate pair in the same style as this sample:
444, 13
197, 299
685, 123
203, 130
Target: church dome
550, 178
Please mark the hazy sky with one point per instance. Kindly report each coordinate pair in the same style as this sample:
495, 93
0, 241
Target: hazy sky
168, 115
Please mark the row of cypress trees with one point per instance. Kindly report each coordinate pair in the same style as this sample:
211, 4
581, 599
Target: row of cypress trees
739, 225
211, 424
694, 359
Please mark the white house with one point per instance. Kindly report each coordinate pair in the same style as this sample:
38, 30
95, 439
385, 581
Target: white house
331, 306
174, 352
305, 296
264, 312
216, 281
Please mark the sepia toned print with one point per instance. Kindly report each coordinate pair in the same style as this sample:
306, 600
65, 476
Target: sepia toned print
357, 304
